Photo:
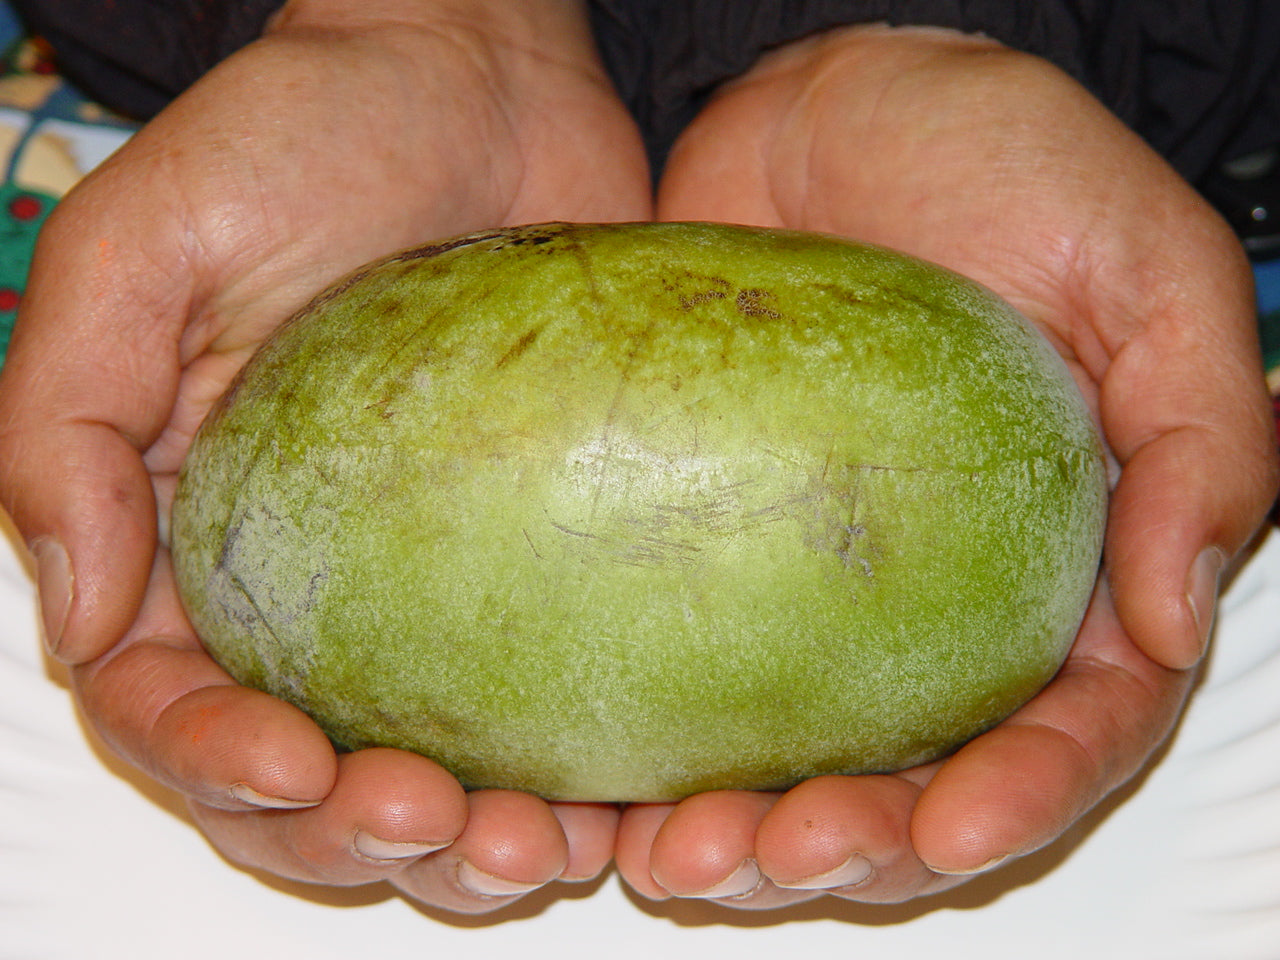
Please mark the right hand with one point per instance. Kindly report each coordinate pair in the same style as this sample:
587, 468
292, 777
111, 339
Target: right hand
997, 164
347, 132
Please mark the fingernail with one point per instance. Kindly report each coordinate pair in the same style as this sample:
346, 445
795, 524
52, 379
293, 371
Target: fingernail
741, 882
246, 794
1202, 592
372, 847
853, 871
489, 885
55, 584
981, 868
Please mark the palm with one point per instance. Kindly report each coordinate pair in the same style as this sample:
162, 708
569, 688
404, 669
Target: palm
271, 213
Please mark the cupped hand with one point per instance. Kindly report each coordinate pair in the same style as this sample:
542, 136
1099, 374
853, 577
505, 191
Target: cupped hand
347, 132
997, 165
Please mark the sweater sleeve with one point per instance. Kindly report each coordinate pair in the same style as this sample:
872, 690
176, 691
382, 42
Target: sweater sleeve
1198, 79
137, 55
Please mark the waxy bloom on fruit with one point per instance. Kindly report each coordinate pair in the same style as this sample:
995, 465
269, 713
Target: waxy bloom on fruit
631, 511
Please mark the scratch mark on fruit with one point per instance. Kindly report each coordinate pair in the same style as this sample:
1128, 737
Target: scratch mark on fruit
318, 580
846, 548
582, 534
659, 552
676, 544
243, 589
529, 540
873, 296
608, 312
382, 408
620, 640
229, 541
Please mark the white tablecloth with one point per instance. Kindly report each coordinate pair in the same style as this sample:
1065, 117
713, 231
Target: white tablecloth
96, 863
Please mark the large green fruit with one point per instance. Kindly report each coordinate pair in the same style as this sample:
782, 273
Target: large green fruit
628, 512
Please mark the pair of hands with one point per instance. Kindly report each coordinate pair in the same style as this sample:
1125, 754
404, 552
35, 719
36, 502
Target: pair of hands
346, 133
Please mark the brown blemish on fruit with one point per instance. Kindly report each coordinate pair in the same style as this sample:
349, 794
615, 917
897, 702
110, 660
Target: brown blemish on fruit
750, 303
717, 288
424, 252
702, 296
429, 250
517, 349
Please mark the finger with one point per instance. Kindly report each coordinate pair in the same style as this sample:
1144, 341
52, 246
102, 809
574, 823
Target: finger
637, 827
715, 169
706, 849
1018, 787
387, 808
1185, 408
252, 763
512, 845
160, 702
590, 830
77, 404
847, 836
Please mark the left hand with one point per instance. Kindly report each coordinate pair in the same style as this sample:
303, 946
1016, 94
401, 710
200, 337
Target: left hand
996, 164
344, 133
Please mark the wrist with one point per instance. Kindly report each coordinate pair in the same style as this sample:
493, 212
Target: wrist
528, 19
524, 44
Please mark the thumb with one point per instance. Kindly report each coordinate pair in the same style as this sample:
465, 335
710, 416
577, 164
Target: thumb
80, 497
1194, 433
88, 383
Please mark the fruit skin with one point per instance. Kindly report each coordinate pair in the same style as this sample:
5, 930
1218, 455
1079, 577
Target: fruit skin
627, 512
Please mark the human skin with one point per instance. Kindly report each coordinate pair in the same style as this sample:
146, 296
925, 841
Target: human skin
157, 277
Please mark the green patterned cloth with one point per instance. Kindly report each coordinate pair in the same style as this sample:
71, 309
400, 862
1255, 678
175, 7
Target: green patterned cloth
50, 136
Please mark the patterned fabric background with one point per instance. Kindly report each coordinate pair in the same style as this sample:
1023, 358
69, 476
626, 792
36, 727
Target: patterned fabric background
50, 136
